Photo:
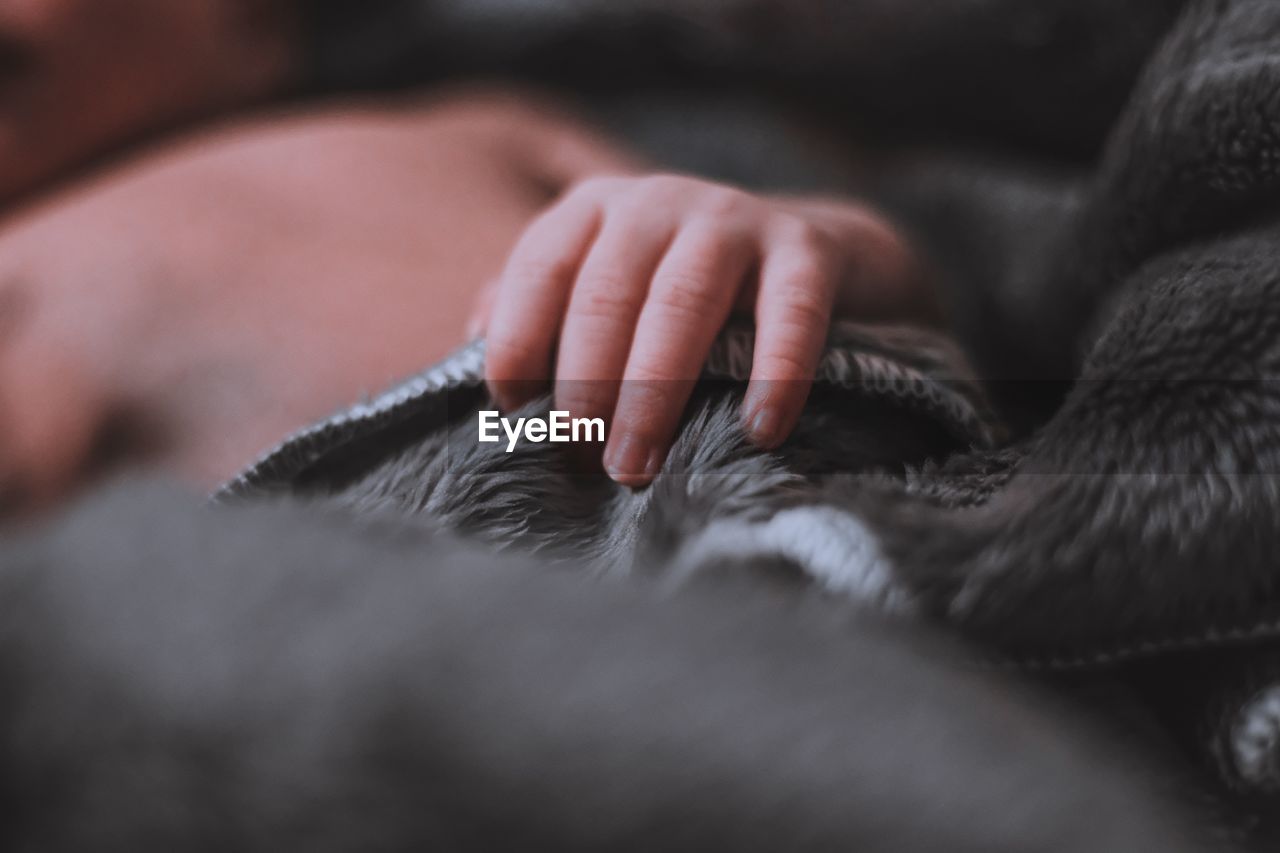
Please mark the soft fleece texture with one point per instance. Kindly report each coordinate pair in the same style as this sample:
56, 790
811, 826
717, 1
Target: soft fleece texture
166, 695
1137, 520
271, 678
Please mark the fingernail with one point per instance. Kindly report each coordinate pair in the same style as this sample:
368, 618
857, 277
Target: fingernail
766, 427
473, 328
632, 462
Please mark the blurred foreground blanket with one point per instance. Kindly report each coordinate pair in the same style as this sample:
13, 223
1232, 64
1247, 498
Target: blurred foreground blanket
180, 679
1132, 533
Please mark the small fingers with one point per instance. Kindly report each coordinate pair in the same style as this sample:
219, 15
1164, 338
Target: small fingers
793, 315
531, 298
603, 309
693, 291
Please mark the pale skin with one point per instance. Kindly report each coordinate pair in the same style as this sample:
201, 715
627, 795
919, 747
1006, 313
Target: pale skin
183, 308
615, 294
206, 300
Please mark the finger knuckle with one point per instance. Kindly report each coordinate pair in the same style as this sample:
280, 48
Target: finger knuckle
784, 364
687, 293
714, 237
663, 183
801, 235
631, 214
595, 187
804, 307
725, 202
648, 379
532, 272
803, 277
605, 293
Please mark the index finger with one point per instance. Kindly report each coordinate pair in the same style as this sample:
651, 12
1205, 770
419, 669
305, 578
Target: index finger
532, 294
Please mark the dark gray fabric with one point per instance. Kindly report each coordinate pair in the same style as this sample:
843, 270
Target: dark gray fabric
884, 398
181, 679
1050, 76
267, 678
1139, 520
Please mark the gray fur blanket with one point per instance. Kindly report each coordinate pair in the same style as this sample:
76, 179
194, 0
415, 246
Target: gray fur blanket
1130, 532
281, 678
791, 650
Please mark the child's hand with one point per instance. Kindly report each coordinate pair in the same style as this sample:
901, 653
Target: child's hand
632, 278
